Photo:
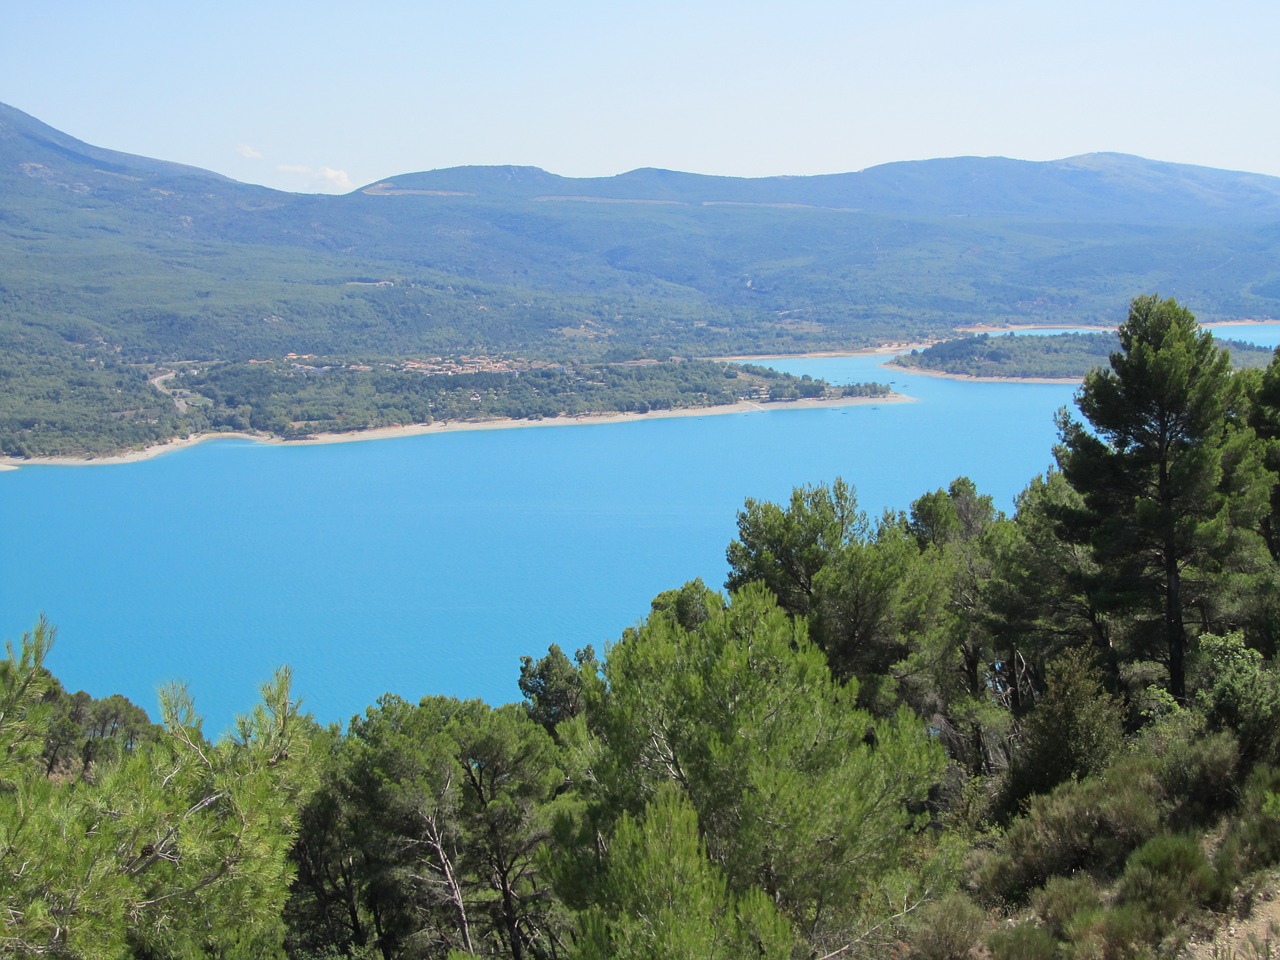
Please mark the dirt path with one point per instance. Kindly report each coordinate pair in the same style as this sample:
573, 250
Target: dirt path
1255, 937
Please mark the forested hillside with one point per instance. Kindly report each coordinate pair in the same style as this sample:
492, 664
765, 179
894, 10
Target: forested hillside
941, 733
116, 268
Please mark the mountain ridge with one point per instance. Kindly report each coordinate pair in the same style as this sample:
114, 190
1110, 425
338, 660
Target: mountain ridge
872, 189
161, 259
902, 186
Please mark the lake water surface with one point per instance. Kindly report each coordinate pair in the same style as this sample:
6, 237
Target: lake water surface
430, 564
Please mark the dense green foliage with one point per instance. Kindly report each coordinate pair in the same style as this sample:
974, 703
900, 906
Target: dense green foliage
171, 846
1060, 356
925, 735
660, 896
301, 398
67, 404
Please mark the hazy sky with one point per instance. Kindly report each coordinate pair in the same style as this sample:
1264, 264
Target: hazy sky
326, 97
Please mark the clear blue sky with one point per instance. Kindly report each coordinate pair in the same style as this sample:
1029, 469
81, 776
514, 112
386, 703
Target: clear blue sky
327, 97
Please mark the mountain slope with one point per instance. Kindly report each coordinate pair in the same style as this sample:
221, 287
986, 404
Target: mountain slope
155, 259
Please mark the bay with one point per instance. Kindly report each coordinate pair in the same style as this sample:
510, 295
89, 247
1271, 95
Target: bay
1261, 334
430, 564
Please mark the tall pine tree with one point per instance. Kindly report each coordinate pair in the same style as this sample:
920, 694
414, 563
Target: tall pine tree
1172, 492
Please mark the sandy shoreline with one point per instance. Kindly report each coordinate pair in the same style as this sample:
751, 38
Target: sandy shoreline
450, 426
1006, 328
965, 376
883, 349
1101, 328
1234, 323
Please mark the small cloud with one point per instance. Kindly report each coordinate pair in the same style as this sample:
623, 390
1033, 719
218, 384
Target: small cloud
335, 178
248, 152
325, 179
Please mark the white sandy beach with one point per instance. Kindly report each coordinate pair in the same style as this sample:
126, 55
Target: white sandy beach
884, 348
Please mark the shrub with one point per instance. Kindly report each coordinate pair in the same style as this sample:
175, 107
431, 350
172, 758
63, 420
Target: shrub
1073, 732
1255, 836
1062, 898
1090, 825
1241, 692
1196, 771
1170, 877
1125, 932
1026, 941
948, 929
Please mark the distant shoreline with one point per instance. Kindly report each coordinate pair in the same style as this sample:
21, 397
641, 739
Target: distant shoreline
1010, 327
448, 426
883, 349
988, 328
1101, 328
975, 379
506, 423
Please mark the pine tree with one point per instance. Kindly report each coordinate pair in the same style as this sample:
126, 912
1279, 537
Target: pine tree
177, 847
1173, 494
798, 792
661, 898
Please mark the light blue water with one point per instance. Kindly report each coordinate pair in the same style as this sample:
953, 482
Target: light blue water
1048, 331
430, 564
1263, 334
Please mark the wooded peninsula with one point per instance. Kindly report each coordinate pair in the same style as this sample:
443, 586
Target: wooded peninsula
1064, 356
298, 397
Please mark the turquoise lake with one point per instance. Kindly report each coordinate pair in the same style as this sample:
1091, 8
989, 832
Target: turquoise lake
430, 564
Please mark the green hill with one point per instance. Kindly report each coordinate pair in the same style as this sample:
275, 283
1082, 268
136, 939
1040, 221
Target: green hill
114, 263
